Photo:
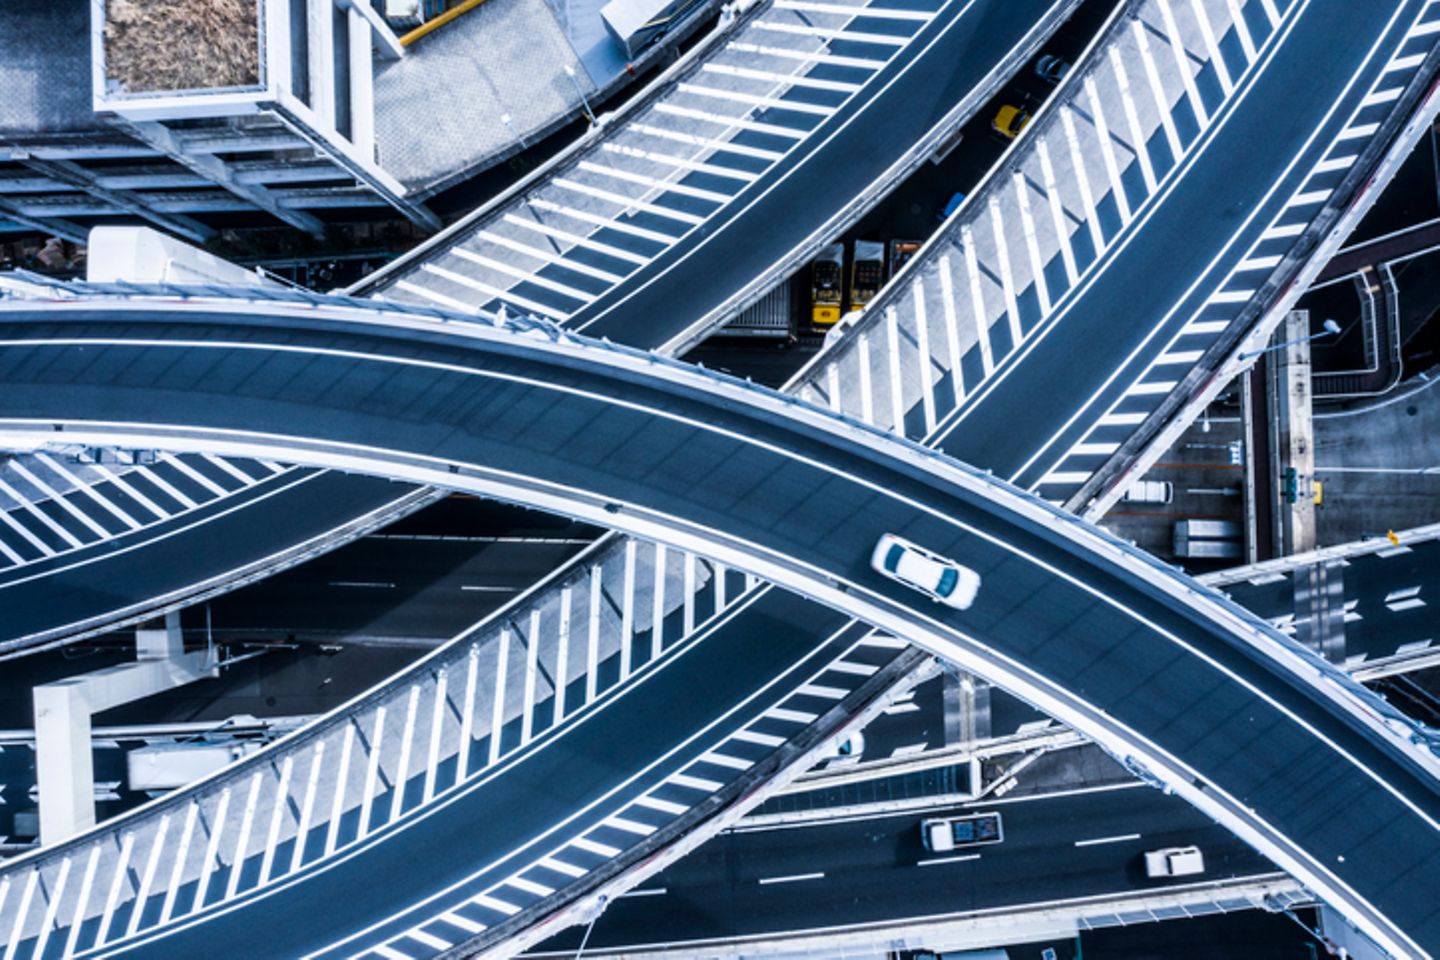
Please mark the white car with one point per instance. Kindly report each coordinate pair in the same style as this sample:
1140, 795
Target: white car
1174, 862
944, 581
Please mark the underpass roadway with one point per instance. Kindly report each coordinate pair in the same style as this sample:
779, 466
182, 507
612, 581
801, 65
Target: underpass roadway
419, 398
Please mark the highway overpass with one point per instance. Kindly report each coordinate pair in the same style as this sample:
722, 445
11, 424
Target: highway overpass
1095, 633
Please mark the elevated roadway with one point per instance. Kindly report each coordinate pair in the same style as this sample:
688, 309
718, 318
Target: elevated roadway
1275, 744
724, 173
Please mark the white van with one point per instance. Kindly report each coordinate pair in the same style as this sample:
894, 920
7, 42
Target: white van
1174, 862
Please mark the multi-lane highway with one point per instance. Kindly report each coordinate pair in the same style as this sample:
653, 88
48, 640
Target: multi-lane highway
679, 454
831, 878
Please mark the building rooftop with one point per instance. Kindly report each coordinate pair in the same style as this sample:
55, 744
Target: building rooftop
45, 66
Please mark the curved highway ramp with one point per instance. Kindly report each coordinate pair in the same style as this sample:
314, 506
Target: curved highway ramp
1270, 741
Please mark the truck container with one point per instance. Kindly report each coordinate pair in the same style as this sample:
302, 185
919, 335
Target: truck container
1150, 491
943, 834
1174, 862
826, 278
867, 272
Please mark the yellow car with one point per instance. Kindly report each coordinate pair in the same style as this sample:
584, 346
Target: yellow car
1009, 121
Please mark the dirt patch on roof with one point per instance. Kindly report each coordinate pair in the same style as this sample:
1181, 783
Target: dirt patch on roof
182, 44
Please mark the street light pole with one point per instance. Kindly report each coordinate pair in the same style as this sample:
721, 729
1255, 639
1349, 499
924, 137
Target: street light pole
1330, 328
570, 72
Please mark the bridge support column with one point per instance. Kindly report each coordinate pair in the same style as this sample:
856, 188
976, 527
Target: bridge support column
64, 768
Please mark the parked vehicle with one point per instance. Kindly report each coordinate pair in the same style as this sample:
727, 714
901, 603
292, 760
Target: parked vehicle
942, 580
943, 834
1174, 862
1150, 491
1210, 539
1051, 69
867, 272
826, 277
1009, 121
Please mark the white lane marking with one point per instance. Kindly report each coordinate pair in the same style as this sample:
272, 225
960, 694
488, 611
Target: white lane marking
461, 922
496, 293
1382, 96
664, 186
626, 825
589, 243
523, 275
560, 866
82, 901
302, 827
45, 520
845, 666
1284, 230
806, 56
1207, 32
24, 533
1242, 30
936, 861
1182, 64
1082, 181
1359, 131
1336, 163
644, 892
792, 878
1257, 263
952, 334
436, 296
892, 370
1032, 242
1157, 89
595, 847
869, 12
767, 739
694, 783
856, 35
193, 474
429, 939
1057, 215
1308, 198
1107, 152
766, 103
1007, 278
496, 904
242, 840
61, 500
1423, 30
530, 886
56, 894
1121, 419
725, 760
783, 79
755, 126
820, 690
708, 143
88, 488
609, 223
1137, 132
1097, 841
664, 806
790, 716
683, 163
624, 202
1405, 63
